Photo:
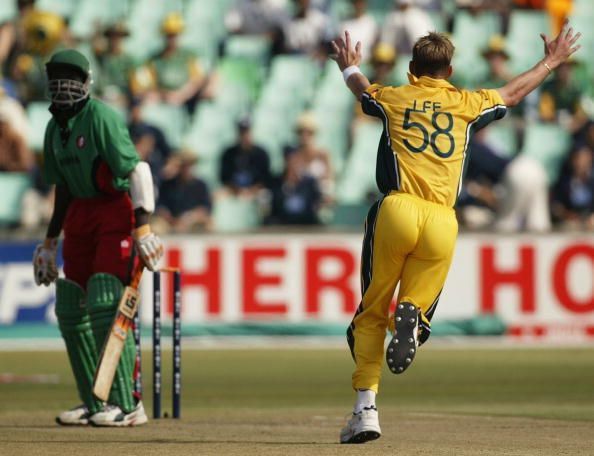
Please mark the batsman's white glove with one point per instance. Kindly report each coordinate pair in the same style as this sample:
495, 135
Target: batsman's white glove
44, 262
148, 246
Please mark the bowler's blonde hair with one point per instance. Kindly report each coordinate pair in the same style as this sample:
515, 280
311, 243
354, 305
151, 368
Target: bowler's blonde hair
432, 54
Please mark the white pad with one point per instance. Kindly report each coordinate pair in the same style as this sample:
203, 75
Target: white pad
141, 188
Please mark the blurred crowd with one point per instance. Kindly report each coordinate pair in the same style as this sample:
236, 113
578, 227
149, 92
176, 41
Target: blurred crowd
532, 171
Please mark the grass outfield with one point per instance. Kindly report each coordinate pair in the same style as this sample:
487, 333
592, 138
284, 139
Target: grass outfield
266, 402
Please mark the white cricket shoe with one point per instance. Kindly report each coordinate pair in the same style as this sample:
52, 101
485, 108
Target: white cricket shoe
78, 416
362, 427
113, 416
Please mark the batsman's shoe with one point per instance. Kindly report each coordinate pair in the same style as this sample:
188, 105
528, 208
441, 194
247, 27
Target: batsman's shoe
362, 427
113, 416
405, 341
78, 416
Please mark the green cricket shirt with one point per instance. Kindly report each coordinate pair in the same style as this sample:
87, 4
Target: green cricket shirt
96, 133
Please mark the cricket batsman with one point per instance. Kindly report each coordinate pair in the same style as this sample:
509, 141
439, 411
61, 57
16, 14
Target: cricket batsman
103, 199
410, 233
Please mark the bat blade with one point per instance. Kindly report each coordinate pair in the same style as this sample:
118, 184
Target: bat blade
114, 344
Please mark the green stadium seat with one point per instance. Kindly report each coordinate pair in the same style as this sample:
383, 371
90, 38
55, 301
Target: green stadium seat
358, 178
400, 71
548, 144
583, 24
173, 120
502, 137
203, 42
256, 48
87, 14
582, 8
294, 72
245, 73
39, 116
63, 8
524, 44
472, 31
350, 214
12, 188
232, 214
211, 130
8, 11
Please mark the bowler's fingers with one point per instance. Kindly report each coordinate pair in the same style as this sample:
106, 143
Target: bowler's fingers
347, 39
576, 48
575, 38
358, 48
335, 50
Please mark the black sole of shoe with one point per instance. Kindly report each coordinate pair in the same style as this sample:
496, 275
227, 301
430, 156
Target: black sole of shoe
365, 436
402, 349
61, 423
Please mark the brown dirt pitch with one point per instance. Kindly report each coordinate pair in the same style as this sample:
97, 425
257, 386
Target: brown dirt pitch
293, 402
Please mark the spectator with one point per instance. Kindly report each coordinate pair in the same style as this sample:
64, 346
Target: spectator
497, 58
174, 75
43, 33
255, 17
382, 62
245, 166
560, 99
499, 74
479, 199
12, 111
184, 202
315, 160
405, 25
296, 196
525, 205
15, 156
149, 140
116, 66
306, 31
12, 36
362, 27
382, 72
573, 197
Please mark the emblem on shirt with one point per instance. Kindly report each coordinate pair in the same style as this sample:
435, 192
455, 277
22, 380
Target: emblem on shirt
80, 142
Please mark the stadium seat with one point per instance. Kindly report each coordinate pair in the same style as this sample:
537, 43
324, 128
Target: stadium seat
12, 188
87, 14
8, 11
245, 73
524, 30
473, 31
294, 72
502, 137
255, 48
64, 8
39, 116
173, 120
232, 214
350, 214
548, 144
358, 178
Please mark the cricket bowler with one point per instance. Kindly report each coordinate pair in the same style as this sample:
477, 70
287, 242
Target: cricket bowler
103, 199
411, 231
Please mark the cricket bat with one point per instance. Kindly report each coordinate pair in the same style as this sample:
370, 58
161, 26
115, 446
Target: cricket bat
114, 343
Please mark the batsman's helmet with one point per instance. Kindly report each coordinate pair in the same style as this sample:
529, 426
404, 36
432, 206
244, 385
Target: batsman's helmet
69, 77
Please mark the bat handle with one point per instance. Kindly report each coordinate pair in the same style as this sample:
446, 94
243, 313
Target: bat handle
136, 274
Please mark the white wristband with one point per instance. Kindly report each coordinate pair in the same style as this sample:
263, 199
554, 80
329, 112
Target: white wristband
348, 72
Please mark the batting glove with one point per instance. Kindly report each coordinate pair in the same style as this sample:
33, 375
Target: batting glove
44, 262
148, 246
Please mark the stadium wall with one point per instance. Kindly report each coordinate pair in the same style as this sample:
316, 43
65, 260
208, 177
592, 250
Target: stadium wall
537, 285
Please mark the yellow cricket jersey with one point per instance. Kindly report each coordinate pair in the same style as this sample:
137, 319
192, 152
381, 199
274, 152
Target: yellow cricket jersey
427, 128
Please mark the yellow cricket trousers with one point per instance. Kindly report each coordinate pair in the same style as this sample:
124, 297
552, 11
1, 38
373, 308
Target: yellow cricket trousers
409, 241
